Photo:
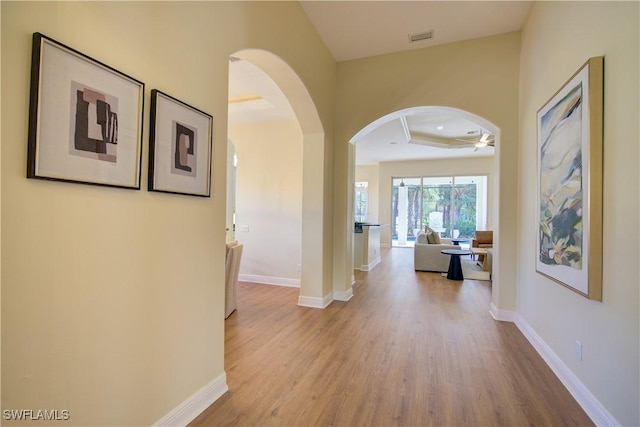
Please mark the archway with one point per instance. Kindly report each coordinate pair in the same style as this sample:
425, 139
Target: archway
313, 256
425, 110
458, 114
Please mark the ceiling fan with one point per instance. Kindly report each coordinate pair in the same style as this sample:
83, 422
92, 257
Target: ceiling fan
484, 139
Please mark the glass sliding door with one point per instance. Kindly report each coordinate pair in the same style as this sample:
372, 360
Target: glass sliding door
436, 204
454, 206
468, 205
405, 210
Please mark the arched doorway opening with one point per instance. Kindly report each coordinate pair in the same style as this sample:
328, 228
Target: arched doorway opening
310, 264
447, 141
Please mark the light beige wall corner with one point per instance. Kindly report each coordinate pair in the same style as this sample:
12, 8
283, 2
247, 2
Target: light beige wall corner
269, 198
343, 222
317, 209
557, 40
445, 75
328, 217
112, 300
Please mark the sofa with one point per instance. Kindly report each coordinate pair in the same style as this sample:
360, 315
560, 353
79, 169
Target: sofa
427, 256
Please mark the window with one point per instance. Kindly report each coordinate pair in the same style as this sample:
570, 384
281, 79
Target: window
361, 197
454, 206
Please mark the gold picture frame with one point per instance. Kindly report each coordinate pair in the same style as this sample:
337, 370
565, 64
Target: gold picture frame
569, 214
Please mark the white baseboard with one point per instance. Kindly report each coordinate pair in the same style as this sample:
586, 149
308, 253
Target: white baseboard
314, 302
267, 280
370, 266
188, 410
502, 315
593, 408
343, 295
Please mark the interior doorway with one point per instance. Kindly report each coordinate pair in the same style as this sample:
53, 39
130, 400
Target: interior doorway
441, 137
304, 266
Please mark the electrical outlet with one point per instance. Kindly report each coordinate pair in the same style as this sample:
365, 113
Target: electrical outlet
299, 267
579, 350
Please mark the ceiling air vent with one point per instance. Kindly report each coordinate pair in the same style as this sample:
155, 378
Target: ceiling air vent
421, 36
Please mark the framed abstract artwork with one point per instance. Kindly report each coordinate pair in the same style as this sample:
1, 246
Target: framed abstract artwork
181, 139
85, 119
569, 220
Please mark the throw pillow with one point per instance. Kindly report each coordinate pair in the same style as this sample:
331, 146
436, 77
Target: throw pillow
431, 239
436, 238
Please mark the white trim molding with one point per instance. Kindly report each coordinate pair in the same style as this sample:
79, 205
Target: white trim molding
370, 266
502, 315
267, 280
188, 410
594, 409
343, 295
315, 302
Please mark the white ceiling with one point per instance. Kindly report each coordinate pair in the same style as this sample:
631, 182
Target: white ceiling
440, 133
357, 29
253, 96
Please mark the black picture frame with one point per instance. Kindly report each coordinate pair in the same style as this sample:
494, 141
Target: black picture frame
85, 119
180, 147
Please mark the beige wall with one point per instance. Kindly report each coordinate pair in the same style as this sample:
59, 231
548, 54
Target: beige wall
112, 306
269, 199
112, 303
557, 40
445, 75
440, 167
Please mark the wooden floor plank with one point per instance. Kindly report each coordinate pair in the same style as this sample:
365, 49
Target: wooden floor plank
409, 349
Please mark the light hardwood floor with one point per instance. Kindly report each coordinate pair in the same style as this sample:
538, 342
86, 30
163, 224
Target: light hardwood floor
409, 349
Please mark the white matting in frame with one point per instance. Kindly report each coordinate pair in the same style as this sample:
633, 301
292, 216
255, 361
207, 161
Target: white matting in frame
85, 122
180, 147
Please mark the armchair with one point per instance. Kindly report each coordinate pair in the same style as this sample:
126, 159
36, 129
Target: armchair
482, 239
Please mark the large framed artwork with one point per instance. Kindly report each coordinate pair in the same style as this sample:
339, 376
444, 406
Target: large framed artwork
180, 144
85, 119
569, 220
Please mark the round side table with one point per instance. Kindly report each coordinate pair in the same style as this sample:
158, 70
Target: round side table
455, 268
